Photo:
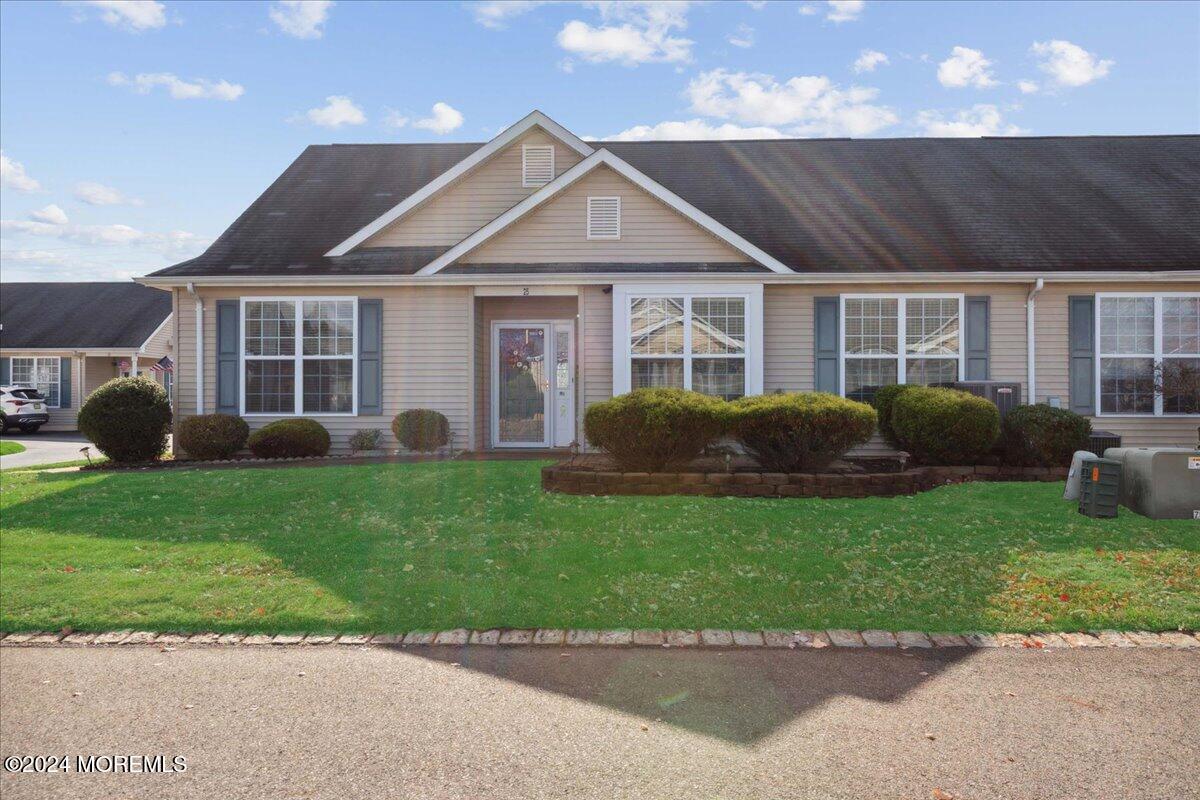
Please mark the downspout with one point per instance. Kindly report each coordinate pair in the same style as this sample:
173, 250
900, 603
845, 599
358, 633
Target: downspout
1030, 340
191, 288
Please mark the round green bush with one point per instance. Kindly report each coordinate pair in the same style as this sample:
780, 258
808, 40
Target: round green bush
802, 431
212, 436
128, 419
1041, 436
884, 397
944, 426
421, 429
649, 430
290, 438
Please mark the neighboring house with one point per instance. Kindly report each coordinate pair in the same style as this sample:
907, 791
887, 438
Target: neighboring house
68, 338
511, 284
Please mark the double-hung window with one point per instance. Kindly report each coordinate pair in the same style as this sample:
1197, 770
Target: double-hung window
1149, 353
299, 355
42, 373
889, 339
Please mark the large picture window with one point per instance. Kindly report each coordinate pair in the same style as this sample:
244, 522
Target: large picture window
299, 355
889, 339
1149, 353
41, 373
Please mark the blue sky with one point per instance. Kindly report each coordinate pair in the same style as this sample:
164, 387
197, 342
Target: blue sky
134, 133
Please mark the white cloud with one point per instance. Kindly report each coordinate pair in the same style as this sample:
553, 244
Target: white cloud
46, 257
394, 119
497, 13
1028, 87
845, 10
742, 37
179, 89
807, 11
631, 33
97, 194
130, 15
1069, 65
444, 119
13, 176
966, 67
979, 120
868, 60
757, 5
170, 243
808, 105
303, 19
338, 110
51, 214
694, 129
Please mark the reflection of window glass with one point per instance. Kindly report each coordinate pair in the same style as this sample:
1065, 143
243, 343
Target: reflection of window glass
696, 343
873, 357
301, 347
41, 373
1149, 351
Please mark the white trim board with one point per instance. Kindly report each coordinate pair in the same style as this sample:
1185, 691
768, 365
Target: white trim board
534, 119
625, 170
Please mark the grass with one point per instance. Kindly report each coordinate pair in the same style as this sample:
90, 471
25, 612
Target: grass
399, 547
8, 448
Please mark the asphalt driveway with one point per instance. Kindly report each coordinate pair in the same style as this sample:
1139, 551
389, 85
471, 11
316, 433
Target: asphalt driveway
44, 448
487, 722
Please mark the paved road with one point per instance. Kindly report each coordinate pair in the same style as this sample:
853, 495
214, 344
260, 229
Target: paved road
343, 722
44, 448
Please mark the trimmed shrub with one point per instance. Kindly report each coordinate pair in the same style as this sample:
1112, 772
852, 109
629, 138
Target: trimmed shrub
649, 430
421, 429
128, 419
944, 426
365, 439
1041, 436
213, 436
290, 438
884, 397
802, 431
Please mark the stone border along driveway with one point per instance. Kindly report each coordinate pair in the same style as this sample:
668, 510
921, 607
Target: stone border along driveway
629, 638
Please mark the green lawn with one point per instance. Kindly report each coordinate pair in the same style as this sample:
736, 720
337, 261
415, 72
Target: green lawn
477, 544
8, 448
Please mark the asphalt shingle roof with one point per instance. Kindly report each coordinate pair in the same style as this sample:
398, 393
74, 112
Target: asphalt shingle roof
817, 205
80, 315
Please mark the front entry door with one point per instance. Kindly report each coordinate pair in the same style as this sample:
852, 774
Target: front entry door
533, 369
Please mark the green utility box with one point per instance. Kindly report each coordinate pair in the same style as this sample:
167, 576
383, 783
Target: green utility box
1100, 487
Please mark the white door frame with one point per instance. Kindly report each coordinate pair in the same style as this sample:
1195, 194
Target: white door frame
548, 327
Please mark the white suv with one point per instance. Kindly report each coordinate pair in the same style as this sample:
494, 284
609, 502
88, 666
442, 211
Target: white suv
23, 407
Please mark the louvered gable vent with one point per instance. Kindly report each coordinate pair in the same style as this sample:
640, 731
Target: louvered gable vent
604, 218
537, 164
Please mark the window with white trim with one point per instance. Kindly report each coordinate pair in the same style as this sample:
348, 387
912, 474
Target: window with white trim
1149, 353
537, 164
604, 218
299, 355
687, 342
41, 373
890, 339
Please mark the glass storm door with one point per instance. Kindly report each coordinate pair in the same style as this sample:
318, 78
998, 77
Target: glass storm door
520, 391
563, 400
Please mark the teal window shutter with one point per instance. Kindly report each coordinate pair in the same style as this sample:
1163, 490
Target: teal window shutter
228, 379
370, 357
826, 350
1081, 350
64, 383
5, 370
978, 338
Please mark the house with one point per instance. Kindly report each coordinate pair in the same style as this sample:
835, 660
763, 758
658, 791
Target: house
68, 338
511, 284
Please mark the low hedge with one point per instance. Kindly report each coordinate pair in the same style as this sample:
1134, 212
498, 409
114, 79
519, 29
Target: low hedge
128, 419
884, 397
290, 438
650, 430
1041, 436
212, 436
800, 431
421, 429
944, 426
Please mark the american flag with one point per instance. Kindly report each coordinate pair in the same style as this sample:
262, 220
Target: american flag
164, 364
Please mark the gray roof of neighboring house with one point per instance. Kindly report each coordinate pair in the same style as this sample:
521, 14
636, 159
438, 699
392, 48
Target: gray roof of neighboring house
817, 205
80, 315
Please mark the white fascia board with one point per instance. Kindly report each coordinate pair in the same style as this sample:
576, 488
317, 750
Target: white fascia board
630, 173
535, 119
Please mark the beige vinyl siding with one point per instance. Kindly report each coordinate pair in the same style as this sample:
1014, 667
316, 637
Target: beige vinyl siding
426, 342
475, 200
596, 342
1052, 364
557, 231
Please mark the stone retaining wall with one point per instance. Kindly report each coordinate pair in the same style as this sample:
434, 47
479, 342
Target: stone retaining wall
571, 479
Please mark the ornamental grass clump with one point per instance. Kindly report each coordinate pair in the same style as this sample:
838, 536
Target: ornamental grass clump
652, 430
128, 419
801, 431
944, 426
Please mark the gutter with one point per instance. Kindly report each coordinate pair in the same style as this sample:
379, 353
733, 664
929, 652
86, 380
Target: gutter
1030, 341
191, 289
